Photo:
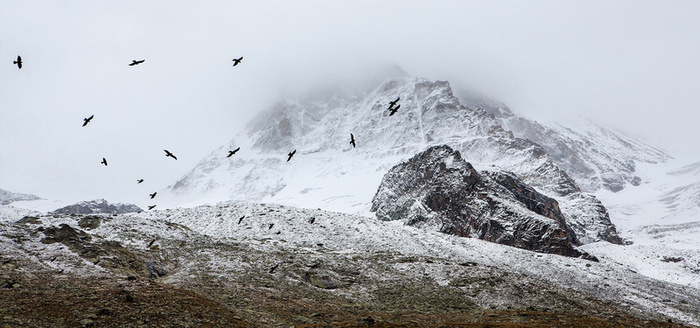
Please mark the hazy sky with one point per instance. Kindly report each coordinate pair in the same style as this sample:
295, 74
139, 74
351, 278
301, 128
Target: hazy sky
631, 65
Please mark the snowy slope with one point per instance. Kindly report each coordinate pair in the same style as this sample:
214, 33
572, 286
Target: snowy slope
305, 229
661, 219
595, 157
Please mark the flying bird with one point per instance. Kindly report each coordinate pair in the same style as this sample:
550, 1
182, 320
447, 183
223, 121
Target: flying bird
272, 270
139, 180
241, 219
231, 152
393, 103
153, 195
135, 62
352, 140
87, 120
392, 111
18, 62
291, 155
104, 161
169, 154
237, 61
151, 207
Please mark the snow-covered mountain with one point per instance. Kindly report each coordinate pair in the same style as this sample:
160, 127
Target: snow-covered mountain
597, 176
327, 172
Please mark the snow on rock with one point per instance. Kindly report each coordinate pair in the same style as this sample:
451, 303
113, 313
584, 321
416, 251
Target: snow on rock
595, 157
438, 188
274, 227
98, 206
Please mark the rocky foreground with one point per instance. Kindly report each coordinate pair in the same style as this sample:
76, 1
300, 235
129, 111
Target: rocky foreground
251, 265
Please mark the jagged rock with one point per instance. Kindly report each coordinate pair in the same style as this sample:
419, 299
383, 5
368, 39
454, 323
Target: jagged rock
438, 188
99, 206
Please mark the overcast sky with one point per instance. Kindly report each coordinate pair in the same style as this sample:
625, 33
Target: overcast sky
630, 65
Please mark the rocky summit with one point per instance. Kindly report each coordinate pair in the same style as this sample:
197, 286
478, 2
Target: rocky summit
438, 188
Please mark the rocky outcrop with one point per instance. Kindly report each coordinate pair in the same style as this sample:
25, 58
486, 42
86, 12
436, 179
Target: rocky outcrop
438, 188
99, 206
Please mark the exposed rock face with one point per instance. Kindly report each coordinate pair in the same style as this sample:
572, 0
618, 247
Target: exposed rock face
99, 206
439, 188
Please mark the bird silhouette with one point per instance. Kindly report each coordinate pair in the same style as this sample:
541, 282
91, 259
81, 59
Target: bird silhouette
18, 62
392, 103
104, 161
87, 120
237, 61
135, 62
151, 207
153, 195
352, 140
139, 180
392, 111
291, 155
272, 270
241, 219
231, 152
169, 154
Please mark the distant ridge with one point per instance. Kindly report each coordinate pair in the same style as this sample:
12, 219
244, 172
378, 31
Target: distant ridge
98, 206
7, 197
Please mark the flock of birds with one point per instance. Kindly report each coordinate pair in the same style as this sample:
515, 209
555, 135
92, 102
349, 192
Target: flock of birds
392, 110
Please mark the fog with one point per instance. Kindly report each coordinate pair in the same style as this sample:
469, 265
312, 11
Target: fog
629, 65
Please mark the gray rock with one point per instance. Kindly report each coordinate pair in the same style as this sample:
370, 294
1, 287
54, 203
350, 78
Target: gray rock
438, 188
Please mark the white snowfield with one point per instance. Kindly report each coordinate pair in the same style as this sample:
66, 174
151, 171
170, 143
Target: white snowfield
661, 218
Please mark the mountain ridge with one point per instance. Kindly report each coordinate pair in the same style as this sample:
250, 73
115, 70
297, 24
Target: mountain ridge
328, 173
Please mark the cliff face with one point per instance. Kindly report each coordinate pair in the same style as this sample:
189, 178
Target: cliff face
438, 188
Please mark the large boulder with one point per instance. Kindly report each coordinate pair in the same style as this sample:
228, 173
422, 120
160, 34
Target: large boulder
437, 188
